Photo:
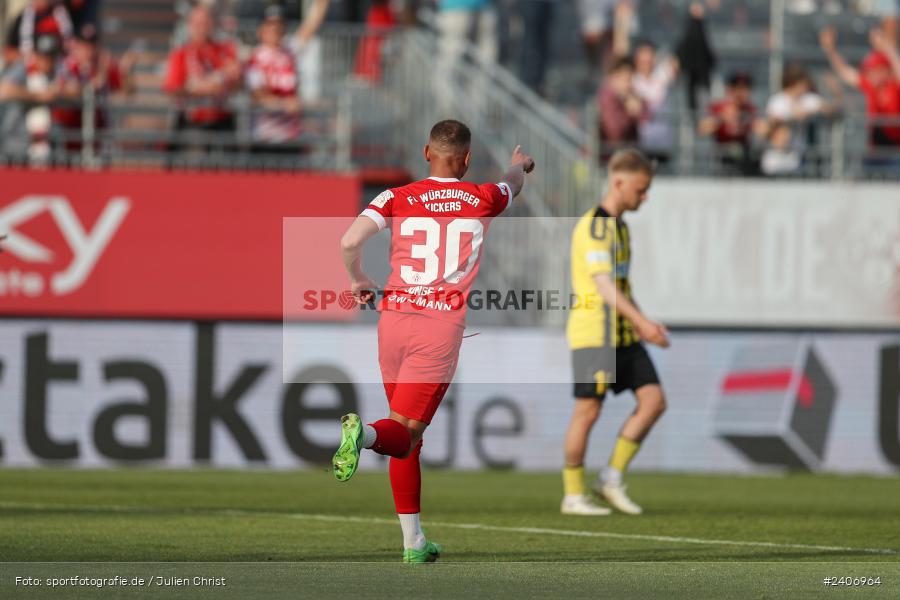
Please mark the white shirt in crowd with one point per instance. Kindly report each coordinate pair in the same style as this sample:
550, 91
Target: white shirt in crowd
783, 107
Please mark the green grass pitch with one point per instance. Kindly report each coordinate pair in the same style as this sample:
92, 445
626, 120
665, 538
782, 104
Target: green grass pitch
303, 535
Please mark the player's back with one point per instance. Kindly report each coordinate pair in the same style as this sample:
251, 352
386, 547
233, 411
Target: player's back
438, 227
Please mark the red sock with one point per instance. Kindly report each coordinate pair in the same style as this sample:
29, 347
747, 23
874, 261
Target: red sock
391, 438
406, 482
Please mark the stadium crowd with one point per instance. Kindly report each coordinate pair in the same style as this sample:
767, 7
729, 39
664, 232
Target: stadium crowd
53, 56
635, 88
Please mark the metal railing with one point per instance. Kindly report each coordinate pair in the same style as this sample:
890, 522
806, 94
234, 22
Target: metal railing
104, 140
363, 118
838, 147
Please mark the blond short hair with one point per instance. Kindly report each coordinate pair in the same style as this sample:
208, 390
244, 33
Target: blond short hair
630, 160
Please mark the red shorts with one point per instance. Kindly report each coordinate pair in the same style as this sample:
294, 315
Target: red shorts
418, 356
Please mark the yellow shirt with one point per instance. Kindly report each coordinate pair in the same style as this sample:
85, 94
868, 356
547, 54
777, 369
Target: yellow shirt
600, 244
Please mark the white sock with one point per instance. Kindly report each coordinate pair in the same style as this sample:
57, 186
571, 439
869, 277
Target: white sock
369, 436
412, 531
611, 476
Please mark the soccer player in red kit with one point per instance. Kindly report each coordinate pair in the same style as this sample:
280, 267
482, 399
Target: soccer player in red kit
437, 226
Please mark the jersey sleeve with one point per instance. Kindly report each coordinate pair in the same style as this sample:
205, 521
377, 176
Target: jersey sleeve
254, 78
865, 86
114, 78
499, 195
176, 73
380, 209
597, 245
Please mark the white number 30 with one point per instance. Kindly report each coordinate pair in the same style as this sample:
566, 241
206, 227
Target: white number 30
428, 251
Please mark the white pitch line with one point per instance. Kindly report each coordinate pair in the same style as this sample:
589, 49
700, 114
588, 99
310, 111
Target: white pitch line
593, 534
469, 526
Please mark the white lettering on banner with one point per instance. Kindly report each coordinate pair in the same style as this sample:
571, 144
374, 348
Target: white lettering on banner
199, 394
18, 283
721, 236
87, 246
742, 252
813, 253
779, 255
675, 270
15, 242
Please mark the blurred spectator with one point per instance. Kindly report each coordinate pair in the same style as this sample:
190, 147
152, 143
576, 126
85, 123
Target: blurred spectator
271, 78
889, 12
652, 82
368, 55
309, 49
224, 16
410, 11
314, 13
32, 82
797, 101
696, 57
467, 20
537, 17
9, 11
89, 68
878, 78
40, 17
605, 28
82, 12
353, 11
781, 156
204, 71
793, 111
732, 121
219, 8
621, 109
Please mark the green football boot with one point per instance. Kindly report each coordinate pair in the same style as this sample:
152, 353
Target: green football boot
429, 553
346, 459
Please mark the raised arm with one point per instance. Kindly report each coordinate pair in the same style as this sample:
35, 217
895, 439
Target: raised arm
623, 15
10, 90
519, 165
312, 21
352, 244
843, 69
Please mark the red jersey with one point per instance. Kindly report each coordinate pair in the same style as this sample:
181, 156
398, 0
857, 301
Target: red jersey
883, 101
272, 70
738, 131
30, 24
195, 61
84, 74
368, 55
438, 227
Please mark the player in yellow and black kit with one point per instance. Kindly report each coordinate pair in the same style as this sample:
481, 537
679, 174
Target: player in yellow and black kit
605, 332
